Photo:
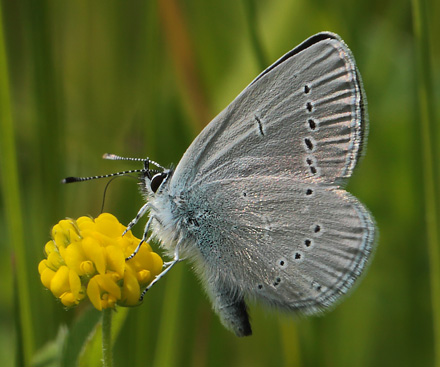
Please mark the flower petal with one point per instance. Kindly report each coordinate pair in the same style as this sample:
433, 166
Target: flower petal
109, 225
50, 247
42, 265
157, 264
54, 260
130, 290
144, 276
87, 268
60, 281
95, 253
75, 283
64, 233
147, 259
85, 225
46, 277
107, 283
108, 300
74, 255
115, 259
68, 299
94, 293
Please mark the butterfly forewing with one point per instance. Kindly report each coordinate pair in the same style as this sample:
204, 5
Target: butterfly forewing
307, 110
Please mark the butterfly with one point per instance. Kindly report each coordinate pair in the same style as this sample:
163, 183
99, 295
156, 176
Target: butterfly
257, 202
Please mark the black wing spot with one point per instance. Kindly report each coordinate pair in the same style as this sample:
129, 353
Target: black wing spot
311, 165
306, 89
309, 106
277, 281
317, 286
308, 143
308, 242
282, 262
312, 124
309, 192
260, 125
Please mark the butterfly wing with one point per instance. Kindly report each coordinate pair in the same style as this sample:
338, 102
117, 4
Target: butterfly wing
307, 110
296, 245
258, 191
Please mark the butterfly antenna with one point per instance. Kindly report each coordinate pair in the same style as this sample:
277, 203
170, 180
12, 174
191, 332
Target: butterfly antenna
81, 179
105, 191
146, 170
114, 157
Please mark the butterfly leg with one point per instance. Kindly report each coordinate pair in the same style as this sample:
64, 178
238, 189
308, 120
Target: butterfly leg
139, 215
144, 238
168, 265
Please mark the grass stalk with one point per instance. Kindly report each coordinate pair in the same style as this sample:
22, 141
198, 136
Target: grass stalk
12, 205
168, 336
429, 157
255, 39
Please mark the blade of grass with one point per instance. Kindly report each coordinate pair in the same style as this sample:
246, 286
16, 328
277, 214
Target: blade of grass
166, 353
429, 157
290, 341
178, 37
251, 20
12, 204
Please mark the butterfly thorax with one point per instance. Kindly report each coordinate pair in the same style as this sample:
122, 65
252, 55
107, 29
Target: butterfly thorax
176, 220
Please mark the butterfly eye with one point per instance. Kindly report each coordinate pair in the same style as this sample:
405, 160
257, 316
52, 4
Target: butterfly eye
157, 180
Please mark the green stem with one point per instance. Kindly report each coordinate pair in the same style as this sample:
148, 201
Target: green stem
107, 355
168, 336
10, 186
290, 341
430, 164
251, 18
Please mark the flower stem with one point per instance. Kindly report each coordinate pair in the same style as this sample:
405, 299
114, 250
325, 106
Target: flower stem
107, 355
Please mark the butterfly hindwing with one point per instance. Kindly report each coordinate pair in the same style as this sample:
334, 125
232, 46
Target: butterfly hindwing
296, 245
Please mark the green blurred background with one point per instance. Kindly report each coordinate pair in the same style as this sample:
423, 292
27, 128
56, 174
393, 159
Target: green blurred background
142, 78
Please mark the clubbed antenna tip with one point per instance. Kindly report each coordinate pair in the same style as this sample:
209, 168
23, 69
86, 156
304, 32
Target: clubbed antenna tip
69, 180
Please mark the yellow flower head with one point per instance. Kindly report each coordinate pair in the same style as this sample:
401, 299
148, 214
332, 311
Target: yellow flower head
86, 258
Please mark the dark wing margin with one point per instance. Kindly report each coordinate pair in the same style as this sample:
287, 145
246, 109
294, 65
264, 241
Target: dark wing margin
307, 109
301, 47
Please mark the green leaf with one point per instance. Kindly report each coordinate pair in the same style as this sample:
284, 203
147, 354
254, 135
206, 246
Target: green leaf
78, 337
51, 353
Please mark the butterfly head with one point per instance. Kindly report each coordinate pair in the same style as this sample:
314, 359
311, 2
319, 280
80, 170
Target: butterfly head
153, 181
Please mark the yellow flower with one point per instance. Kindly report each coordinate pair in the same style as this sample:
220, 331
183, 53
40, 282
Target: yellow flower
86, 258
